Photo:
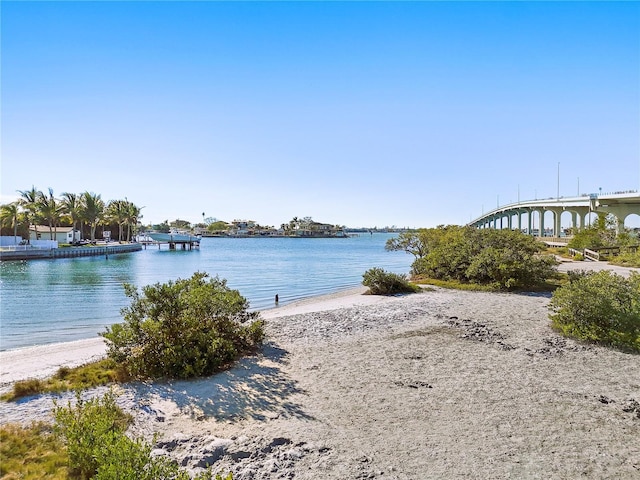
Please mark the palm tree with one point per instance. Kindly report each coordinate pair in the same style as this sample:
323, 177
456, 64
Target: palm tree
93, 210
116, 212
72, 206
132, 216
51, 210
29, 202
9, 214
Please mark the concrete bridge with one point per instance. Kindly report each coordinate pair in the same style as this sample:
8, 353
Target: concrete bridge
619, 204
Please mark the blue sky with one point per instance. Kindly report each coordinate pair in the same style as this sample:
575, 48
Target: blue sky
357, 113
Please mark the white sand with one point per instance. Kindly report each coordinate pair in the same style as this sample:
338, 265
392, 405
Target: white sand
443, 384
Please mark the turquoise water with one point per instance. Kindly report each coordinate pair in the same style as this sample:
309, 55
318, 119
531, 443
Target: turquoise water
49, 301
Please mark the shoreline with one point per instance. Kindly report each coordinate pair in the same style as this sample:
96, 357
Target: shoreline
41, 361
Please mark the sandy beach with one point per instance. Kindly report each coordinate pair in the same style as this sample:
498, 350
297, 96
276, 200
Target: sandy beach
441, 384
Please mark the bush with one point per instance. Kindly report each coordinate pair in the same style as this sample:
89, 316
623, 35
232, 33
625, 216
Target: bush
628, 259
381, 282
182, 329
97, 447
87, 429
504, 259
600, 307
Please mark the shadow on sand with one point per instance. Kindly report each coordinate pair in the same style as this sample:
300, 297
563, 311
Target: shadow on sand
254, 388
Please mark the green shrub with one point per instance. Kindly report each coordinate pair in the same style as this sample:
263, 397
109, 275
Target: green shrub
381, 282
86, 428
182, 329
97, 447
600, 307
502, 259
627, 259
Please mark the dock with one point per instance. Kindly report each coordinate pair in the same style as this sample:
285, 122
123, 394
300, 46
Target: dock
184, 244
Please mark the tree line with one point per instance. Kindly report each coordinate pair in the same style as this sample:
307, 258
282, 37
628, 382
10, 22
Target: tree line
82, 211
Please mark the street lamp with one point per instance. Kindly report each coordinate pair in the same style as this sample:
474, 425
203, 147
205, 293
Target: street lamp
558, 196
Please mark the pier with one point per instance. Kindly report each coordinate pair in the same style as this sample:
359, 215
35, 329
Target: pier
184, 244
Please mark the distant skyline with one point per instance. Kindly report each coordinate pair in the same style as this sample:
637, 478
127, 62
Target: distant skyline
411, 114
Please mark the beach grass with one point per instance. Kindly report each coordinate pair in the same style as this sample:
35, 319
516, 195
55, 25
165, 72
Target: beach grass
31, 452
94, 374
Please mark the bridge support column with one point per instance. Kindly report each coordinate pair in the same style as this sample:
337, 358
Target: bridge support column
621, 212
520, 220
557, 217
541, 232
530, 222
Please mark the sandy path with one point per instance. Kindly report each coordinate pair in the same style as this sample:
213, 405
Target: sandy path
443, 384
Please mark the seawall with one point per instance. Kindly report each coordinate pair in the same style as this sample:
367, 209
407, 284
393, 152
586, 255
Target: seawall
69, 252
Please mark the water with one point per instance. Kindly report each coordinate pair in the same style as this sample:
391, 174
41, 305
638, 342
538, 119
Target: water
49, 301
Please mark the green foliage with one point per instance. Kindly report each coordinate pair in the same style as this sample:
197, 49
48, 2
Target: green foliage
503, 259
161, 227
89, 375
97, 447
183, 329
601, 307
31, 453
218, 226
25, 388
381, 282
630, 259
603, 233
87, 429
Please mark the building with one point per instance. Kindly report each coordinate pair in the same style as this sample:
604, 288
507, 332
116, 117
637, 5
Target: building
60, 234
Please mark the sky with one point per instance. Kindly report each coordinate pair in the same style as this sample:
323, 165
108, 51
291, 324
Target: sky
412, 114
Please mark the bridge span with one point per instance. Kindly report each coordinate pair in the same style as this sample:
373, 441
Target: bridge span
619, 204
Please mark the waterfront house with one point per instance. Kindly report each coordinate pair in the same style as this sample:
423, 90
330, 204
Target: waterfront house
243, 227
317, 229
60, 234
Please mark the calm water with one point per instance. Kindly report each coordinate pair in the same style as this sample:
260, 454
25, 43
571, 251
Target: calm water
49, 301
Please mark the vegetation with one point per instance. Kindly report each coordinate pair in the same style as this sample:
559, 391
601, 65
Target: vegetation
381, 282
31, 453
502, 259
92, 374
630, 259
87, 441
599, 307
76, 210
603, 233
187, 328
181, 329
219, 226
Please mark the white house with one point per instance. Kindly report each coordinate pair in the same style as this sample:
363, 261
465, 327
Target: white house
60, 234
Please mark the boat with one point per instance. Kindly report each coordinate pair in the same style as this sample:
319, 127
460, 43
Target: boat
174, 236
